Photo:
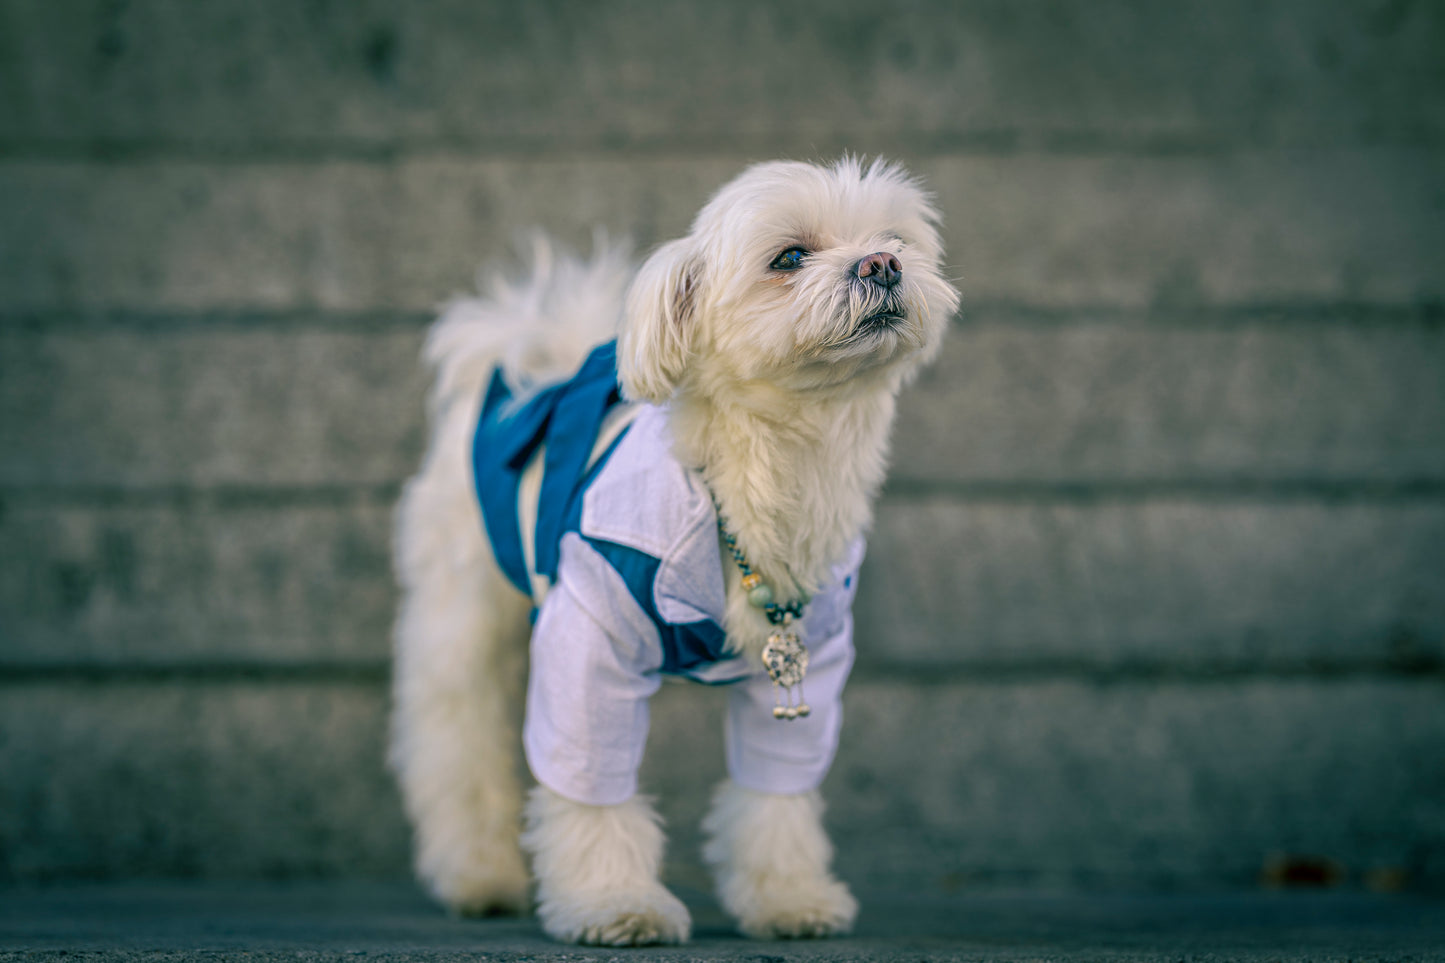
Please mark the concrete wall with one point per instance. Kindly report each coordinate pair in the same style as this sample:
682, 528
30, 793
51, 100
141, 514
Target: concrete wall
1158, 584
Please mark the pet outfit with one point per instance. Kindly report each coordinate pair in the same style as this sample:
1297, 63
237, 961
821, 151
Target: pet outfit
589, 512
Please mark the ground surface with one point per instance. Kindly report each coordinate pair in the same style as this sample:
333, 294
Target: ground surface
180, 921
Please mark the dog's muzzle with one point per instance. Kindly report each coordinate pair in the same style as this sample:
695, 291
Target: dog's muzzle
877, 279
889, 316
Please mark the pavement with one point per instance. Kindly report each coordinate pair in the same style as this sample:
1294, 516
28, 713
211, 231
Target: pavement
182, 921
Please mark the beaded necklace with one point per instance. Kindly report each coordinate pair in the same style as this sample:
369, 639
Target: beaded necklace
785, 657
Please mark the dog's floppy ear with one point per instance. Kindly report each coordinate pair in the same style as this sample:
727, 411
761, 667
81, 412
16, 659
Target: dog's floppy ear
657, 330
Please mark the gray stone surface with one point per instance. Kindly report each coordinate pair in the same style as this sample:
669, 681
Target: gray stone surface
216, 778
211, 405
1097, 784
390, 921
1356, 224
1350, 398
1170, 397
1163, 583
339, 235
251, 77
1157, 585
936, 786
247, 582
1240, 228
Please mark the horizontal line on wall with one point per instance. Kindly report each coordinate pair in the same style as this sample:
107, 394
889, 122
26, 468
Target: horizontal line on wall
241, 497
1163, 316
378, 673
357, 673
1416, 665
201, 321
898, 490
1225, 490
997, 142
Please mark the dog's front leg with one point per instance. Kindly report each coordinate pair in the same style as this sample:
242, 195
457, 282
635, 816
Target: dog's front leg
597, 872
771, 859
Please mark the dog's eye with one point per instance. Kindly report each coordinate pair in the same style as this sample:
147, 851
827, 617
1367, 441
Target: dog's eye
789, 260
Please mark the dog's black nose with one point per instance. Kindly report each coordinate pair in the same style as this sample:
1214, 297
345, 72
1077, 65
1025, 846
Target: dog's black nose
882, 269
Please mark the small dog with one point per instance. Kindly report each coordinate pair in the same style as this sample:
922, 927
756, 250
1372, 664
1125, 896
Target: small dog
690, 499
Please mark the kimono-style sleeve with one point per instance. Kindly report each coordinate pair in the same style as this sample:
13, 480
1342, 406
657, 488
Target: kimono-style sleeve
594, 661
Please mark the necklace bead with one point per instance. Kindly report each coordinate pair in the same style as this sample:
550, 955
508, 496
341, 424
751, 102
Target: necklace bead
759, 593
785, 656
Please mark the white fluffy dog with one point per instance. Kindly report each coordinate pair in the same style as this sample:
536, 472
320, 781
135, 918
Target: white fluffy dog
689, 500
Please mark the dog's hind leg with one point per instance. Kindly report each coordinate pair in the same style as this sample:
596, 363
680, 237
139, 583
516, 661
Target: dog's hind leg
461, 643
771, 858
597, 872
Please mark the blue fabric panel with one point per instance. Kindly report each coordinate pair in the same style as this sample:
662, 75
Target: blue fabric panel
571, 432
567, 418
497, 480
685, 646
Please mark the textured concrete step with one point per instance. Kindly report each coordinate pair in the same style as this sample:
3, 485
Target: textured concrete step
1155, 583
213, 779
199, 583
1334, 398
196, 922
1361, 225
1346, 396
935, 786
248, 75
1163, 582
203, 406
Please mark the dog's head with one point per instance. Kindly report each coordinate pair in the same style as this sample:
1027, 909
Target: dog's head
796, 275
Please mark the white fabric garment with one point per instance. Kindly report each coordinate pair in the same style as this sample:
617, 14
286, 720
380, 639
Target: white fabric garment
597, 655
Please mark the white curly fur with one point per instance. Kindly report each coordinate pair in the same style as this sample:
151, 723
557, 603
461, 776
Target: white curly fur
782, 396
461, 632
597, 872
770, 857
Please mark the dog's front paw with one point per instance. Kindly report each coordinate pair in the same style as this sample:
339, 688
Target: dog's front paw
619, 917
795, 909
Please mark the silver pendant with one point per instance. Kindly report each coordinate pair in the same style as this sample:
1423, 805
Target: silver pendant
786, 659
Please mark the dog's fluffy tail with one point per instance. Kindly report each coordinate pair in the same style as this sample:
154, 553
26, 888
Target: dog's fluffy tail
538, 324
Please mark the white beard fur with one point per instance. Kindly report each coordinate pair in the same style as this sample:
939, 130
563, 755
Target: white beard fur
787, 420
